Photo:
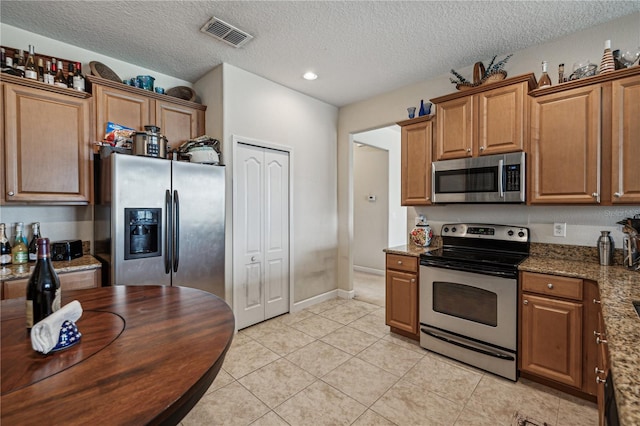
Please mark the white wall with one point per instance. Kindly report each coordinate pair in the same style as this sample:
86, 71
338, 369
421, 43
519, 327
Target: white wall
370, 179
256, 108
582, 228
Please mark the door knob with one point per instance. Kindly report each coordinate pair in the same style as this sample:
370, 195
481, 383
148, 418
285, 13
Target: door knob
253, 258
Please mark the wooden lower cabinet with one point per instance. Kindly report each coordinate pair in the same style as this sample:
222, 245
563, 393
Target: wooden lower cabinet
402, 295
558, 317
601, 370
68, 281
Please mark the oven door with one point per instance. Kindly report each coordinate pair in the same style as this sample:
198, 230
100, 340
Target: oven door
476, 306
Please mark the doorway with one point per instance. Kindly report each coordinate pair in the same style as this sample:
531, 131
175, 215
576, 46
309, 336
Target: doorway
261, 237
379, 221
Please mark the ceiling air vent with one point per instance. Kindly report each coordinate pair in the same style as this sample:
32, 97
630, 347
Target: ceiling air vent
220, 30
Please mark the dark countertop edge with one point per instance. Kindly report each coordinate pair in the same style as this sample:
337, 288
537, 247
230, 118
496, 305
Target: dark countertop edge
86, 262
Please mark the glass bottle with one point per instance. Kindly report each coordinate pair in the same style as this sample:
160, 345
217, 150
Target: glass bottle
43, 289
78, 78
50, 73
5, 247
59, 79
33, 245
3, 58
544, 81
18, 64
607, 64
30, 69
70, 74
40, 70
19, 253
560, 73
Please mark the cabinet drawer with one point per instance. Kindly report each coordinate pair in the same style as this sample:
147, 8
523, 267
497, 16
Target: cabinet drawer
570, 288
68, 281
402, 263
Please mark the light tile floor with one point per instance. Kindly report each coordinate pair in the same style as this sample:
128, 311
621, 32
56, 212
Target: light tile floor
336, 363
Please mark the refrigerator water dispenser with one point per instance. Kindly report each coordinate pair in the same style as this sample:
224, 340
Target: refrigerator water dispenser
143, 233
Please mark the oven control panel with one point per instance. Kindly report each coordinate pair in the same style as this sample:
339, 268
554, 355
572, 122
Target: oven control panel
486, 231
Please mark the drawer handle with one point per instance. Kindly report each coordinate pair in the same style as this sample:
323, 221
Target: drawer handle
596, 301
525, 301
550, 286
599, 380
599, 340
598, 371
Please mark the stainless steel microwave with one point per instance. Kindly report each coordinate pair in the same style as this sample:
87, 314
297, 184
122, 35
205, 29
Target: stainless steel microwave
488, 179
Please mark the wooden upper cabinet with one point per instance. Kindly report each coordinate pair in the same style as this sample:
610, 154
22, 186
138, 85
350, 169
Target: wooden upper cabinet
625, 140
178, 119
502, 119
47, 146
455, 129
121, 107
565, 146
484, 120
416, 162
179, 123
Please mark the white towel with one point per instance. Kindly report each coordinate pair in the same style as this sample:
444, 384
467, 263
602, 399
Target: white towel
45, 334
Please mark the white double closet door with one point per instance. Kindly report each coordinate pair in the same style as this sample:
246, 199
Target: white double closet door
261, 234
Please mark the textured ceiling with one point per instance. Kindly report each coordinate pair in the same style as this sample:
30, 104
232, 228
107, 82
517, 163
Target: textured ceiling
358, 48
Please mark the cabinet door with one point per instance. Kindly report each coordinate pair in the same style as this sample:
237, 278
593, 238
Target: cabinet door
501, 119
178, 123
565, 146
625, 182
68, 281
121, 107
416, 163
455, 129
402, 301
47, 149
551, 339
602, 369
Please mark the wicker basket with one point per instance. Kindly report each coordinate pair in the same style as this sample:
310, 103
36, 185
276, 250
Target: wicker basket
491, 78
182, 92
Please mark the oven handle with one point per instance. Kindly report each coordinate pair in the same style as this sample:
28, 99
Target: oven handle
472, 348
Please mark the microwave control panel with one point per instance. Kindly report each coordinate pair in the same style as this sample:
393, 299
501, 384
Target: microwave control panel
512, 177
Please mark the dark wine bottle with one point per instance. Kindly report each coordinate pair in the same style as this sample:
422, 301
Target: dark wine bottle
43, 290
33, 245
5, 247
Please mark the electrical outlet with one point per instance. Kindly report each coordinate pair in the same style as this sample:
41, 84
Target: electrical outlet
559, 229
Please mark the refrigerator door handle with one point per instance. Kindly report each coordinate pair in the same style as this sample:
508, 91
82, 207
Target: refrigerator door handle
176, 233
167, 232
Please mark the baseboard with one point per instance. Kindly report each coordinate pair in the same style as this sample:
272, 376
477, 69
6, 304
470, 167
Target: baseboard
342, 294
346, 294
368, 270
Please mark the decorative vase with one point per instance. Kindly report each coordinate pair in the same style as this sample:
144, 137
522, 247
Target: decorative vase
412, 112
422, 234
422, 109
607, 64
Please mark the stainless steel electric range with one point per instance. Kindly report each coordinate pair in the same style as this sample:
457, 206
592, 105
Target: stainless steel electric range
469, 292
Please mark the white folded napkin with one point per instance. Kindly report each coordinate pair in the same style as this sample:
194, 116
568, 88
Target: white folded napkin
45, 334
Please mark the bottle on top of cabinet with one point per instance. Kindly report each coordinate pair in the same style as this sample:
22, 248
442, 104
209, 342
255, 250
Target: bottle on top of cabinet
59, 79
544, 81
30, 68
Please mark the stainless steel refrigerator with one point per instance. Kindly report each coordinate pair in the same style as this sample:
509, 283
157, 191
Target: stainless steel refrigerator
160, 222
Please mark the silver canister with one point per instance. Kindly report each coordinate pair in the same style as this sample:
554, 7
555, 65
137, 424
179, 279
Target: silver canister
605, 248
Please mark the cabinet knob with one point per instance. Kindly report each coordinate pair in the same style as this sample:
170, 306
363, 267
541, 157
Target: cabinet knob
594, 194
599, 340
525, 301
10, 194
598, 371
399, 262
468, 149
413, 280
596, 334
482, 148
550, 286
617, 194
599, 380
596, 301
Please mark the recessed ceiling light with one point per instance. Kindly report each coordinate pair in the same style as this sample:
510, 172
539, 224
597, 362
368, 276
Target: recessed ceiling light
310, 75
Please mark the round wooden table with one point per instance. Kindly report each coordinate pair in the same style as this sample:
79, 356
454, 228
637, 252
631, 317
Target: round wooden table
147, 355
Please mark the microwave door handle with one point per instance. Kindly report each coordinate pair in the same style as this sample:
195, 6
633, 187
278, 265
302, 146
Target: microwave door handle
167, 232
501, 177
